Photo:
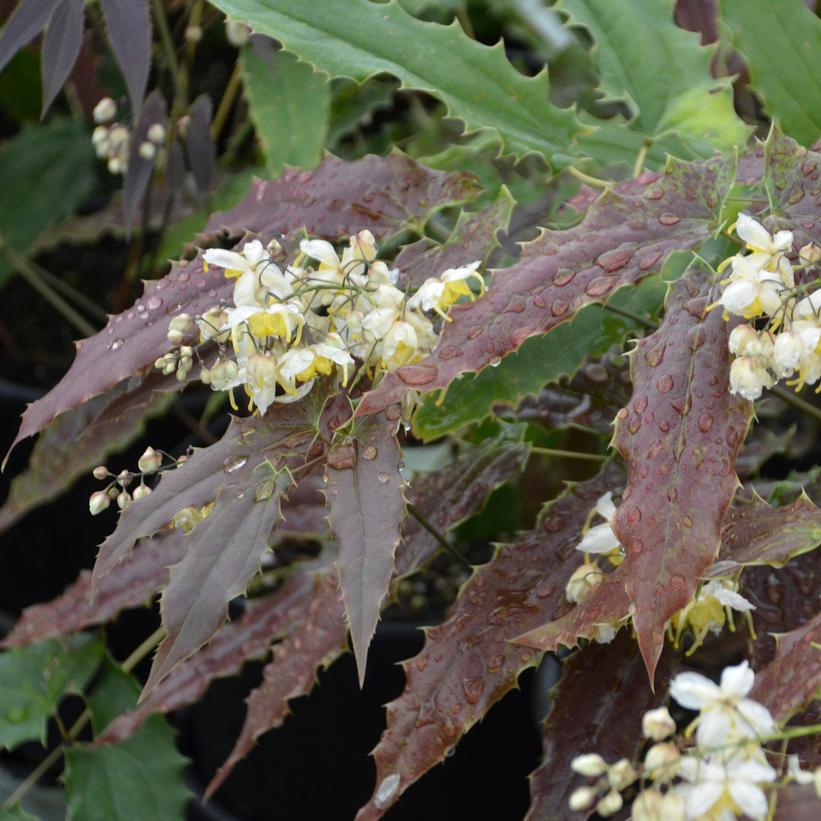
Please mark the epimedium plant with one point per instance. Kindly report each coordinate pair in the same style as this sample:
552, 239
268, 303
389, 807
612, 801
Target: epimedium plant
348, 308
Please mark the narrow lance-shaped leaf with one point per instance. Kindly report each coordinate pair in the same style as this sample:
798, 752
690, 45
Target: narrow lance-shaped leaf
467, 663
625, 236
596, 708
222, 555
476, 82
317, 640
679, 436
61, 45
202, 153
128, 25
132, 584
247, 637
29, 19
141, 168
793, 678
337, 198
365, 508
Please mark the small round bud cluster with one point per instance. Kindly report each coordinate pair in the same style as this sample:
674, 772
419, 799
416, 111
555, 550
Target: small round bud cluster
613, 778
180, 361
105, 111
112, 140
118, 488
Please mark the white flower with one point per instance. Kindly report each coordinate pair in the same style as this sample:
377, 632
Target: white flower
724, 591
327, 354
765, 247
281, 319
585, 578
749, 376
726, 715
252, 256
750, 291
400, 345
436, 294
295, 364
651, 805
261, 380
601, 538
736, 778
661, 761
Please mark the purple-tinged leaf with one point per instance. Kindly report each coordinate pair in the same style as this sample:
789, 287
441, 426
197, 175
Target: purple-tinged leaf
761, 445
596, 708
222, 554
132, 584
80, 439
365, 508
625, 236
128, 24
700, 16
474, 237
202, 153
175, 167
29, 19
760, 534
338, 198
61, 45
227, 463
316, 640
792, 175
140, 169
679, 436
796, 803
793, 678
468, 663
377, 193
247, 637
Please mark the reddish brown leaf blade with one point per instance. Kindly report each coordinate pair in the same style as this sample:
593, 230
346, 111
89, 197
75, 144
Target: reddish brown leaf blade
596, 707
793, 678
80, 439
132, 584
248, 637
467, 663
128, 25
455, 493
222, 555
365, 508
474, 237
140, 169
61, 45
202, 153
29, 19
797, 803
625, 236
679, 436
792, 174
761, 534
316, 640
338, 198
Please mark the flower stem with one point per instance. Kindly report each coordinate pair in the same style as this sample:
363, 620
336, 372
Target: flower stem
593, 182
796, 401
227, 101
170, 54
569, 454
438, 535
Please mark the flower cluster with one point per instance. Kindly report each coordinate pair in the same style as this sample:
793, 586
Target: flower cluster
708, 612
721, 774
112, 140
323, 315
785, 340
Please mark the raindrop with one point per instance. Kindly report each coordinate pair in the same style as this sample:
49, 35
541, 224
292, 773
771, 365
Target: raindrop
383, 478
154, 302
634, 515
234, 463
559, 307
387, 790
665, 383
705, 423
669, 219
418, 374
369, 453
116, 344
265, 490
473, 688
16, 714
495, 362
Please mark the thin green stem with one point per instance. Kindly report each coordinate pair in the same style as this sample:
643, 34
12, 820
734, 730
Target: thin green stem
641, 320
170, 53
32, 275
227, 101
54, 756
593, 182
797, 402
641, 157
437, 534
569, 454
69, 292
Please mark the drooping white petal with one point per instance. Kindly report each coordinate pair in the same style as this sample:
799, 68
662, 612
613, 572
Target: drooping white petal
750, 799
729, 598
698, 798
782, 241
713, 728
599, 539
254, 251
754, 719
738, 680
320, 250
605, 507
225, 259
694, 691
753, 232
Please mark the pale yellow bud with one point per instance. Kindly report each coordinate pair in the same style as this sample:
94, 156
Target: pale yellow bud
123, 499
175, 337
810, 253
610, 804
100, 472
105, 110
124, 478
658, 724
621, 775
193, 34
584, 579
156, 133
661, 761
98, 502
147, 151
141, 492
582, 798
589, 764
150, 461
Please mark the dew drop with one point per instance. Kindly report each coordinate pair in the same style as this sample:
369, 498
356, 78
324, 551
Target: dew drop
369, 453
475, 331
116, 344
664, 426
418, 374
472, 688
264, 490
383, 478
545, 589
665, 383
387, 790
559, 307
184, 276
600, 286
634, 515
495, 663
234, 463
669, 219
16, 714
705, 423
449, 352
634, 424
154, 302
563, 277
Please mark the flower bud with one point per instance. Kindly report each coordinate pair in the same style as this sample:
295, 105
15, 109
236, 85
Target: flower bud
741, 338
124, 478
810, 253
147, 151
621, 775
648, 806
193, 34
150, 461
123, 499
610, 804
98, 502
141, 492
169, 369
658, 724
581, 798
186, 351
273, 248
181, 322
115, 166
590, 764
105, 110
100, 472
156, 133
175, 337
584, 579
661, 761
237, 33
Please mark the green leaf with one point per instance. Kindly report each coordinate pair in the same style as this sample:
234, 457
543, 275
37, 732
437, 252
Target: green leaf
358, 38
781, 40
33, 679
540, 360
288, 103
45, 173
16, 813
352, 103
666, 81
140, 779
